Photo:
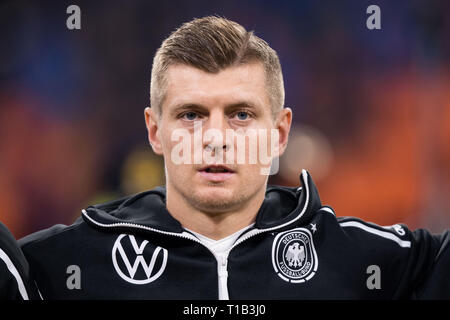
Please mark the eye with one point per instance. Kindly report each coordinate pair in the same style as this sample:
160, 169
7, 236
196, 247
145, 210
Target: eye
242, 115
190, 115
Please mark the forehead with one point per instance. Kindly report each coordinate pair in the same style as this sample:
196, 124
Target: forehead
187, 84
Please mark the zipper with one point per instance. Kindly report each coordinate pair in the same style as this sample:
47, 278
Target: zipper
223, 259
223, 277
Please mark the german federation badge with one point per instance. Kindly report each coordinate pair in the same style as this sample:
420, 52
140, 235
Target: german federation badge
294, 257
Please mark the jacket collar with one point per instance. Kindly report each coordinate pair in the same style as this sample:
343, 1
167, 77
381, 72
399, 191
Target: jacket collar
281, 207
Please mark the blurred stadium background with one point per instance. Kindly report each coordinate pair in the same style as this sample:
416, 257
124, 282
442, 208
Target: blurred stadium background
371, 108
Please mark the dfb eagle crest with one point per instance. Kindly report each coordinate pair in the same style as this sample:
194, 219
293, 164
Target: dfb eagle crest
294, 257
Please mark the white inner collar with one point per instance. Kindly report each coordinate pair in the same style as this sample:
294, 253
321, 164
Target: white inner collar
221, 245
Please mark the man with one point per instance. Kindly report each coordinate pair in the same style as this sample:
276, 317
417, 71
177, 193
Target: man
216, 230
14, 269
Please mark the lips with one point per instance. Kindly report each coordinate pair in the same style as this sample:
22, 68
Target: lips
216, 173
216, 169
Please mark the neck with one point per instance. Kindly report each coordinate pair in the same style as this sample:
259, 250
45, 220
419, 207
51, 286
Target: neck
214, 225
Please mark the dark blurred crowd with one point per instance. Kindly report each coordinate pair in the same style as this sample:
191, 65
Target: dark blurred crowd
371, 107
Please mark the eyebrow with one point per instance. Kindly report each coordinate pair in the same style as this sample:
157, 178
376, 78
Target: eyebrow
200, 107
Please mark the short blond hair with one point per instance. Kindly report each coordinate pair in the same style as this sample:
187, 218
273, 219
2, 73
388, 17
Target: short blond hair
212, 44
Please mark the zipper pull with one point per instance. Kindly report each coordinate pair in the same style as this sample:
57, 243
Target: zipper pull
223, 276
223, 266
224, 261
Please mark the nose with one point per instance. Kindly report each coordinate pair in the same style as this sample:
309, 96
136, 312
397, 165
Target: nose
216, 120
214, 136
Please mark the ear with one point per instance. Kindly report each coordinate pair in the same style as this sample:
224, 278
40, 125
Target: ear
283, 124
154, 138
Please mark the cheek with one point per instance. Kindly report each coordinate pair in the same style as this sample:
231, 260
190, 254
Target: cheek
251, 180
169, 142
259, 148
178, 174
268, 146
165, 136
250, 175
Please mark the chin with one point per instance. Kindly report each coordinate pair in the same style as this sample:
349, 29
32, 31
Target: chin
215, 192
214, 199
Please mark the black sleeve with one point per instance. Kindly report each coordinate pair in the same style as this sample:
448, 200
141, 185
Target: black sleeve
426, 272
436, 283
15, 283
414, 264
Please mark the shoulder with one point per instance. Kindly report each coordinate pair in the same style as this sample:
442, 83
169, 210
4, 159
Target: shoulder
7, 240
14, 268
9, 248
362, 238
47, 235
397, 235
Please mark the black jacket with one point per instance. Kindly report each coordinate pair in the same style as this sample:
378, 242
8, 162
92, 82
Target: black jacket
14, 270
133, 248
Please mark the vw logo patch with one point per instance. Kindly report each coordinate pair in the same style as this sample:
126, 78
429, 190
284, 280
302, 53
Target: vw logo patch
134, 263
294, 257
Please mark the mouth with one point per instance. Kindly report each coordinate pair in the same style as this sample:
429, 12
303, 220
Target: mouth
216, 173
214, 168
